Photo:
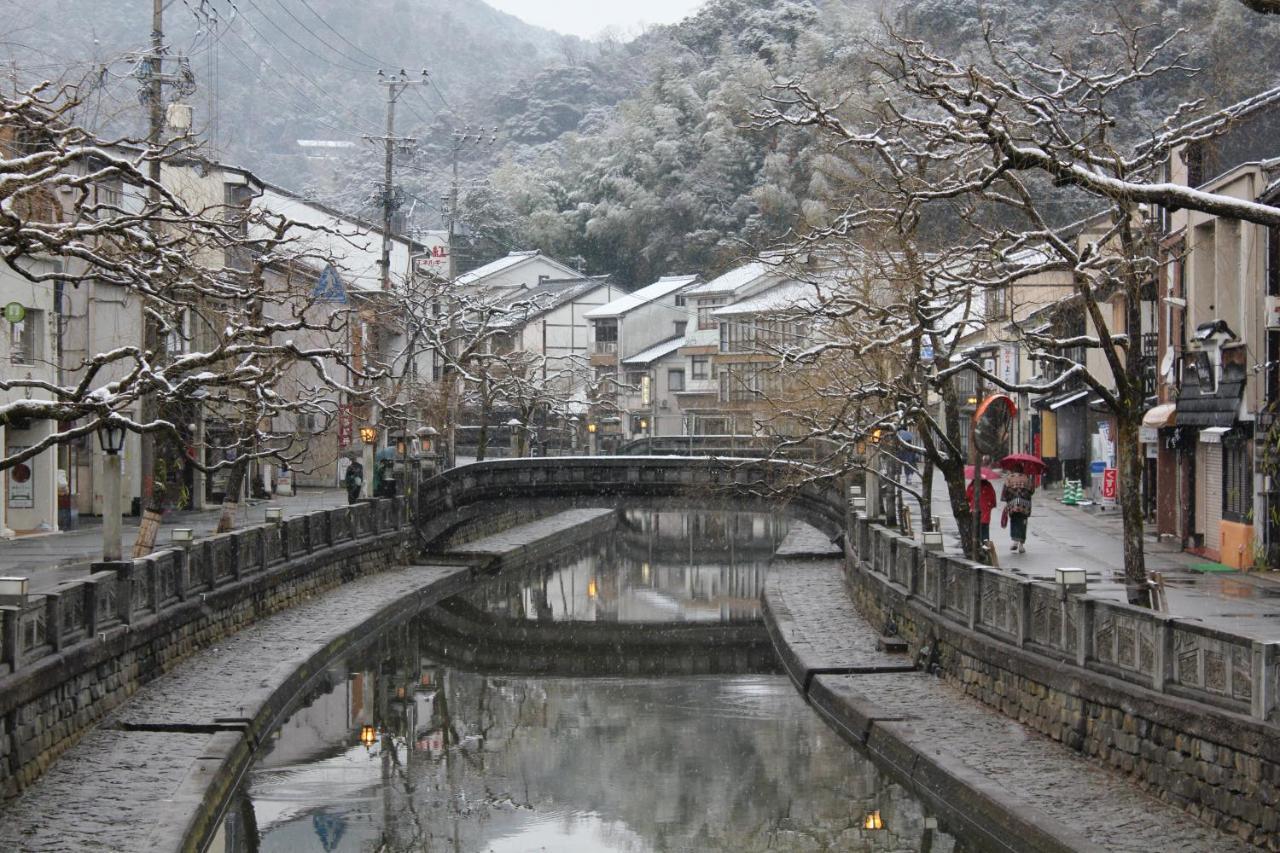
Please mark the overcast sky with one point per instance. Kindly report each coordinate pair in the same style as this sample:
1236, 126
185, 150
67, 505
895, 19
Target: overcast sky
588, 17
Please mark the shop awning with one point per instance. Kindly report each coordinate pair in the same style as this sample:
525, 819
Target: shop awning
1163, 415
1055, 403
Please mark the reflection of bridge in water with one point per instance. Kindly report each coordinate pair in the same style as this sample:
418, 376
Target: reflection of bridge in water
662, 591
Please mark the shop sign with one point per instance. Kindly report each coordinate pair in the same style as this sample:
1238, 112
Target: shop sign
15, 313
1148, 435
1110, 479
22, 481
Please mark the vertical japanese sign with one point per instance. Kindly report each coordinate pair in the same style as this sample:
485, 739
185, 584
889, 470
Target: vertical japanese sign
1110, 479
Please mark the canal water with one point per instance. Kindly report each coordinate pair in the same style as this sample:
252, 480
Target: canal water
396, 750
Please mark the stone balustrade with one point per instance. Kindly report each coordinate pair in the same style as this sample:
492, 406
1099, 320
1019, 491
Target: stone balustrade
69, 655
1190, 712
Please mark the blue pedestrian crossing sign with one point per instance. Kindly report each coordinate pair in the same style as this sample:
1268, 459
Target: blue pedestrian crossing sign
329, 286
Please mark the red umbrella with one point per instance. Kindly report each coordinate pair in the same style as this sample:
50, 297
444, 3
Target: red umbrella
1024, 462
987, 473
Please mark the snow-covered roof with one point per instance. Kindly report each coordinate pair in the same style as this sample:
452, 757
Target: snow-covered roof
503, 264
732, 280
531, 302
655, 352
788, 296
660, 288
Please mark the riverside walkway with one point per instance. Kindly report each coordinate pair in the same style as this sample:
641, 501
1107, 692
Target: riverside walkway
138, 778
984, 773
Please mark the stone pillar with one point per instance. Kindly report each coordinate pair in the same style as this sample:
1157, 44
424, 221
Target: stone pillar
111, 533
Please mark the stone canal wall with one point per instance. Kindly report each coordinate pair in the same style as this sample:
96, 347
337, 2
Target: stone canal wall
1188, 712
70, 656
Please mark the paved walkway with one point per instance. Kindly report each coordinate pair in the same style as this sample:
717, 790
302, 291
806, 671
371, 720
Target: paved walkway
534, 533
110, 791
1246, 603
976, 747
49, 559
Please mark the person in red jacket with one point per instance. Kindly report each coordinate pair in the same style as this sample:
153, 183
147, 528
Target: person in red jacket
988, 504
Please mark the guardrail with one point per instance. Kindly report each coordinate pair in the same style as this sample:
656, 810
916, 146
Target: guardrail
1170, 655
118, 595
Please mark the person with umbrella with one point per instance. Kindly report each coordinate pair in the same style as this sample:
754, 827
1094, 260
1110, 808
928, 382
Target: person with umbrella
1019, 486
988, 502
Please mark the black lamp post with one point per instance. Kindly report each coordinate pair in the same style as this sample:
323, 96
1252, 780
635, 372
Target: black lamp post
111, 436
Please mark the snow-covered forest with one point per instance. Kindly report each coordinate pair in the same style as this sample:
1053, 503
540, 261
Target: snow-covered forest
636, 156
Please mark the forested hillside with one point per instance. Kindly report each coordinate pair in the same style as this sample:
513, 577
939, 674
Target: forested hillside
638, 158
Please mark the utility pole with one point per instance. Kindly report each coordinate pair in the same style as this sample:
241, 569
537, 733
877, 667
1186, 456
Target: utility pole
396, 85
462, 139
391, 200
153, 78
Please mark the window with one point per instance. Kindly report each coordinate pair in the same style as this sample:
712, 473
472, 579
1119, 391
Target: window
1237, 478
24, 339
680, 301
681, 325
705, 307
701, 366
635, 378
606, 336
997, 303
675, 379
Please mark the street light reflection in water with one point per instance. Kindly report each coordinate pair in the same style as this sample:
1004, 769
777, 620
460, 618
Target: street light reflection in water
477, 761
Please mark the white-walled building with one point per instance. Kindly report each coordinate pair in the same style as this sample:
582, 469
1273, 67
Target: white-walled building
626, 328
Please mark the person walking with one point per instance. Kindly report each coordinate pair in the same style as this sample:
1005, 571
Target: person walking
1017, 492
988, 504
354, 480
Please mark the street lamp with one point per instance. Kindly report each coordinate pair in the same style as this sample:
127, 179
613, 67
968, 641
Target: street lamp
514, 425
368, 736
427, 438
873, 820
591, 439
111, 435
368, 435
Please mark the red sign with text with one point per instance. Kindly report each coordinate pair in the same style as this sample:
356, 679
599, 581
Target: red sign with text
1110, 477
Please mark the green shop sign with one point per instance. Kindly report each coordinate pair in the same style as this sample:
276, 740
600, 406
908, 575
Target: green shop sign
14, 312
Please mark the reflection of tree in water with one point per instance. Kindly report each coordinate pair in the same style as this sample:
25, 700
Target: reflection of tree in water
732, 764
462, 760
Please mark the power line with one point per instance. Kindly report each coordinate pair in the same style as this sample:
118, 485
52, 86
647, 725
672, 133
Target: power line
323, 92
286, 34
346, 40
318, 38
305, 97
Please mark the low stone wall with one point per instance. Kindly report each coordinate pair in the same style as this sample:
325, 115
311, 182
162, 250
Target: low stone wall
1187, 711
70, 656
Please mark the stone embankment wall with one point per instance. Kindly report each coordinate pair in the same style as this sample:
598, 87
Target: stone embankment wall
1189, 712
69, 657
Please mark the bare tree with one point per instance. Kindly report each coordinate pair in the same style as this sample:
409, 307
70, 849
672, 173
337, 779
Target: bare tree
987, 156
199, 274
